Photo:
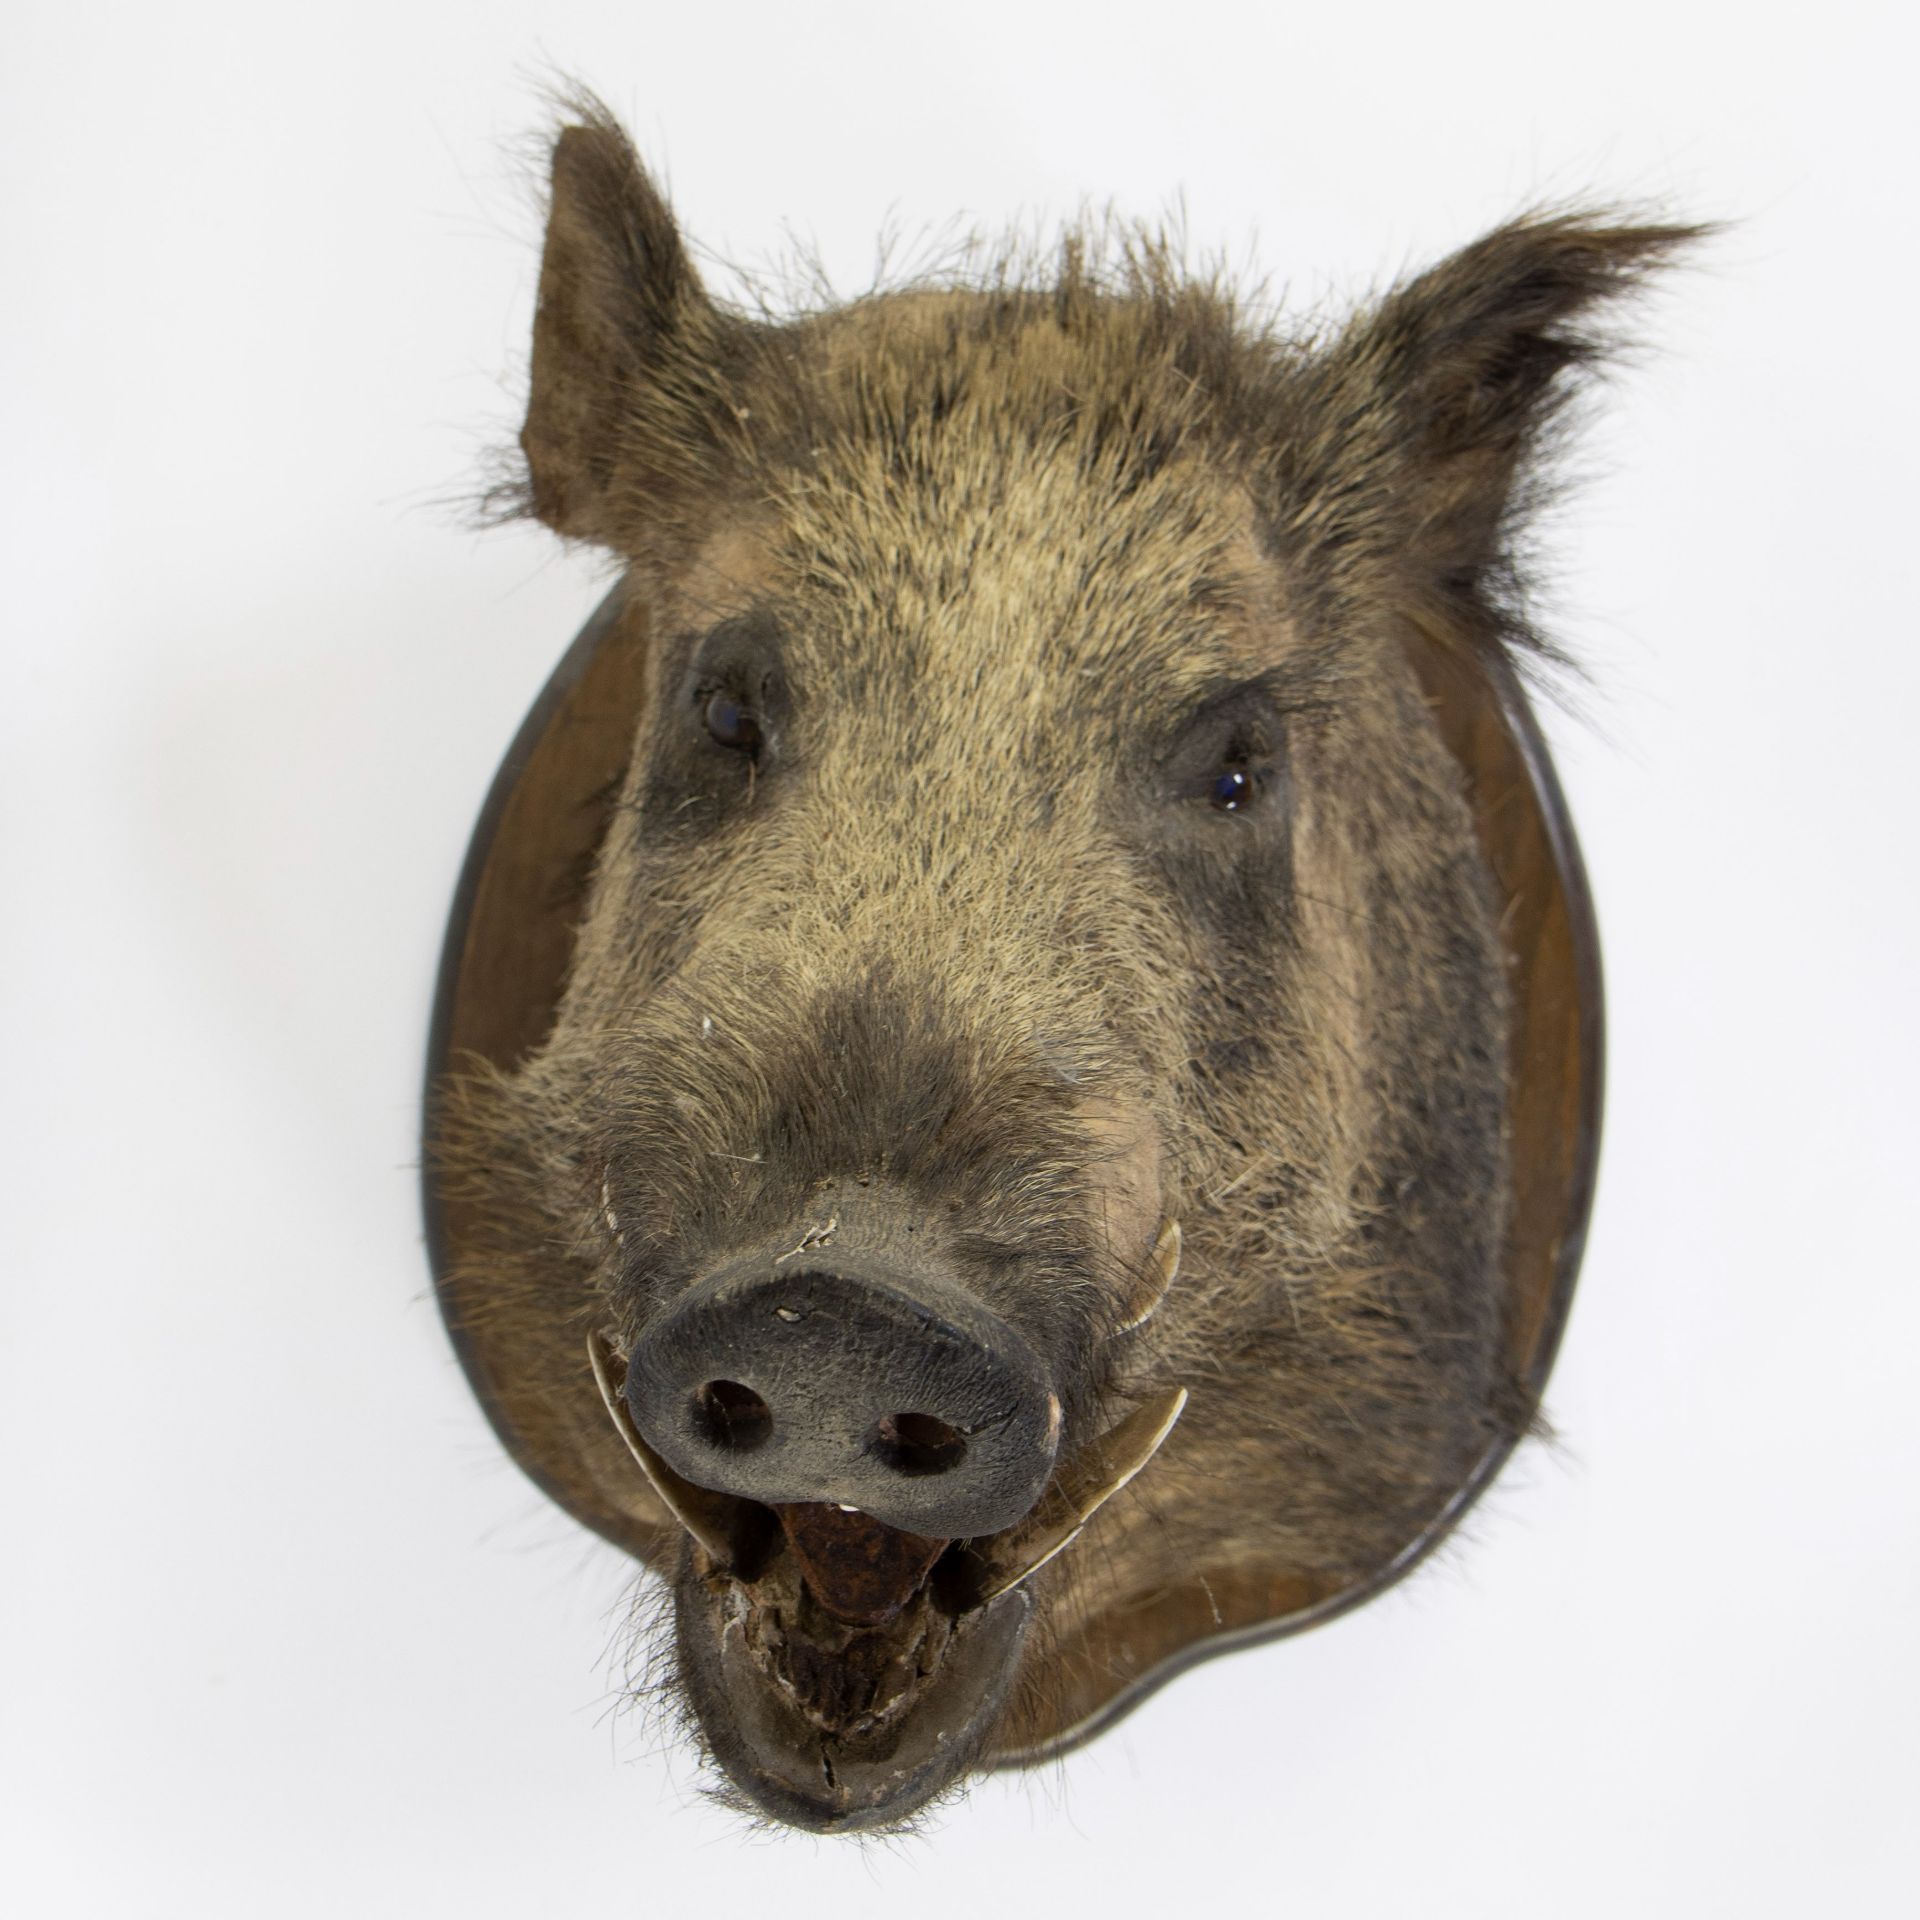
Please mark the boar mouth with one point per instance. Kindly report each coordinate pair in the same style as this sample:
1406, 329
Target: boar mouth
844, 1670
827, 1724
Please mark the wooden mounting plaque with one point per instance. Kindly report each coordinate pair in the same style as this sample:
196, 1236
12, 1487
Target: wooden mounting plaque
509, 940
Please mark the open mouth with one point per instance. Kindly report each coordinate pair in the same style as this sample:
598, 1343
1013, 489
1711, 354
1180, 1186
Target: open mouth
843, 1669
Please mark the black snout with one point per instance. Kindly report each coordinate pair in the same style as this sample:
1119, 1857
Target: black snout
906, 1398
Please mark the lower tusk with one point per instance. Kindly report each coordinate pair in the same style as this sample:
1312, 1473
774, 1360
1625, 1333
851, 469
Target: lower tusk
1084, 1485
707, 1515
1163, 1263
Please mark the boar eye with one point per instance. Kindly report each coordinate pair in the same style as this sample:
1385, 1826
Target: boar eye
731, 722
1228, 751
1233, 789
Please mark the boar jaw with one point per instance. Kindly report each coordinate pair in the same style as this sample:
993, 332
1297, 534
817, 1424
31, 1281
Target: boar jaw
833, 1727
843, 1697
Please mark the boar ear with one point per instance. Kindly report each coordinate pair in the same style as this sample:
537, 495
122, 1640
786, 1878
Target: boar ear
630, 415
1439, 402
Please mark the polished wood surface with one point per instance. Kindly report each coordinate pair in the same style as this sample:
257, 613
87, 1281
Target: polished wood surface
503, 967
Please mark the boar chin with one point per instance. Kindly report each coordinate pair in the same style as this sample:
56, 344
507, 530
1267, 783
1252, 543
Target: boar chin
834, 1727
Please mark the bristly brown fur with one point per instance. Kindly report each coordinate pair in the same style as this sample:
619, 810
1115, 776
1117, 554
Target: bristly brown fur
1006, 546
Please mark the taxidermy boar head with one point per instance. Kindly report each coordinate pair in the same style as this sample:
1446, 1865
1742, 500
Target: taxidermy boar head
1016, 1076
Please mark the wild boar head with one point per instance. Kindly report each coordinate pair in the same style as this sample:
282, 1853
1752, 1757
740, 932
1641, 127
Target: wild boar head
1022, 1006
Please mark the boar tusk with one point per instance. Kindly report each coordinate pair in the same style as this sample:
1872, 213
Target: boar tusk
1085, 1484
1163, 1263
707, 1515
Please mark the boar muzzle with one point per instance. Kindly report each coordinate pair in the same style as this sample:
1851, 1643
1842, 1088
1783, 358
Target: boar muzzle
844, 1431
901, 1396
866, 1461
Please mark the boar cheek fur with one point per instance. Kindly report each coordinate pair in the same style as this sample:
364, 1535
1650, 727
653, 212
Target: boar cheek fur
995, 534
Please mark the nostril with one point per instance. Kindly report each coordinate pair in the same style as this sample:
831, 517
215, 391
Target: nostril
917, 1443
730, 1416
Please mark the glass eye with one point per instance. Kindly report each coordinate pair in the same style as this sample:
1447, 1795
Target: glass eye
731, 723
1232, 789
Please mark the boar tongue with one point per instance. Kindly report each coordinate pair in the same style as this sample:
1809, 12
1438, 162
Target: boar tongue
861, 1570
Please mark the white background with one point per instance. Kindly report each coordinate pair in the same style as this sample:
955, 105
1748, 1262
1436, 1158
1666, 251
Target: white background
281, 1630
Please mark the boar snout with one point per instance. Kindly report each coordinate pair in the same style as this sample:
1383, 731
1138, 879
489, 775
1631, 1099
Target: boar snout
852, 1383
